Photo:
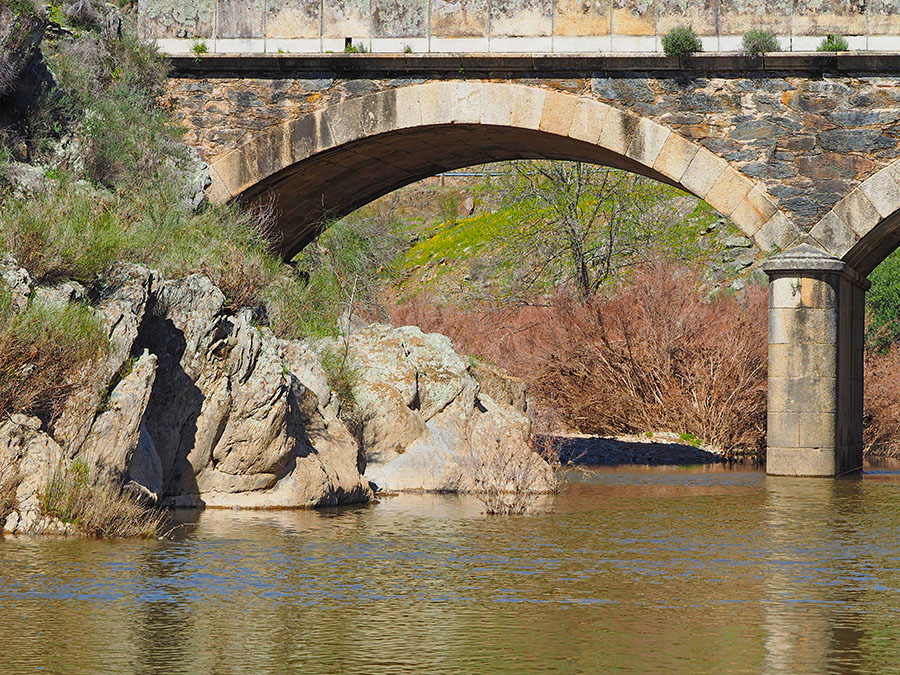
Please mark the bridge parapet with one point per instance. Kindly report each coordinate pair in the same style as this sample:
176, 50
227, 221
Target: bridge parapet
504, 26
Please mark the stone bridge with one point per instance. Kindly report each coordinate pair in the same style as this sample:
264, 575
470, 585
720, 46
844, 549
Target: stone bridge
800, 151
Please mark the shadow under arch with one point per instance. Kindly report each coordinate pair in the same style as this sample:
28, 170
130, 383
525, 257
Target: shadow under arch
330, 162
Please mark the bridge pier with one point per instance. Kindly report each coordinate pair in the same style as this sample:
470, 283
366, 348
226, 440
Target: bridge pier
816, 332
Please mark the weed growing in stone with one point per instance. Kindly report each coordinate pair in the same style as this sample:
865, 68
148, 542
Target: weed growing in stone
681, 41
833, 43
759, 41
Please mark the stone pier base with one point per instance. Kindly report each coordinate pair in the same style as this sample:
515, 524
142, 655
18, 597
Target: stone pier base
816, 331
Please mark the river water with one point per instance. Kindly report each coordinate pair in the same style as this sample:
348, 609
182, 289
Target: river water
627, 569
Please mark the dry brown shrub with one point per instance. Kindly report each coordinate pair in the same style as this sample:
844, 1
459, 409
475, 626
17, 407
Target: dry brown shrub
881, 413
45, 355
658, 356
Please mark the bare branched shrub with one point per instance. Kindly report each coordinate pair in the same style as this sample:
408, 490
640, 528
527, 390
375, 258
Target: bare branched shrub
881, 414
97, 507
657, 356
508, 478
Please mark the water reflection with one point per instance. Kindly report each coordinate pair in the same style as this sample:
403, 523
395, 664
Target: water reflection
704, 570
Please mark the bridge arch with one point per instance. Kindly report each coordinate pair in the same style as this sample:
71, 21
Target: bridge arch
864, 227
329, 162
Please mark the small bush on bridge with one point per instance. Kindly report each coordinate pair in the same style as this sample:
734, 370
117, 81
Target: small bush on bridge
760, 41
833, 43
681, 41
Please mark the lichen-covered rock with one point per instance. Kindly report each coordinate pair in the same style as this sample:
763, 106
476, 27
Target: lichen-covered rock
17, 281
116, 432
231, 422
424, 415
35, 456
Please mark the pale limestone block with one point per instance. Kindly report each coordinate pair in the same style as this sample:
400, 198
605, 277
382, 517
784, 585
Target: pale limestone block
802, 394
754, 211
647, 142
465, 102
729, 191
883, 191
834, 235
778, 233
817, 293
323, 140
778, 326
231, 170
782, 429
409, 106
785, 292
703, 171
802, 358
344, 120
894, 169
797, 461
527, 107
618, 130
587, 121
559, 109
434, 100
675, 156
858, 212
816, 429
496, 104
217, 192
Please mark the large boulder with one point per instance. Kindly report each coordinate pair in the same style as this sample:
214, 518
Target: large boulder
232, 423
427, 424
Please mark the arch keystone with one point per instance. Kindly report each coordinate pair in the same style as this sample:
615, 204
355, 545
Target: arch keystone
495, 104
527, 107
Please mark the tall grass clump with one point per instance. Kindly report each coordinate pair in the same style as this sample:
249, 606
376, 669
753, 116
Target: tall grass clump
10, 478
44, 354
96, 507
337, 275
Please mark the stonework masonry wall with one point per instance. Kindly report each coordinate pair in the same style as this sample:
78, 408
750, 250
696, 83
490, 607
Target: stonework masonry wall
808, 140
518, 26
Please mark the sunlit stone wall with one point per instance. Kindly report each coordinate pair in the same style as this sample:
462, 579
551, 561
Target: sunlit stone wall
542, 26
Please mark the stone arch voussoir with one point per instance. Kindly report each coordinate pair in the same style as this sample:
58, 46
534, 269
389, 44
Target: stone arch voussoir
864, 227
651, 148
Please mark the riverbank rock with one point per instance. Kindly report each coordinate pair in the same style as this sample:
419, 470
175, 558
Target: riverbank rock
194, 405
426, 423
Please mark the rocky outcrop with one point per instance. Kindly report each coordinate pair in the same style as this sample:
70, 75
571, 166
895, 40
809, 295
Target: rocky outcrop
193, 405
427, 422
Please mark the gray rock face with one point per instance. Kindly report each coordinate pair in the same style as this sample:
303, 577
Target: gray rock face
194, 405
